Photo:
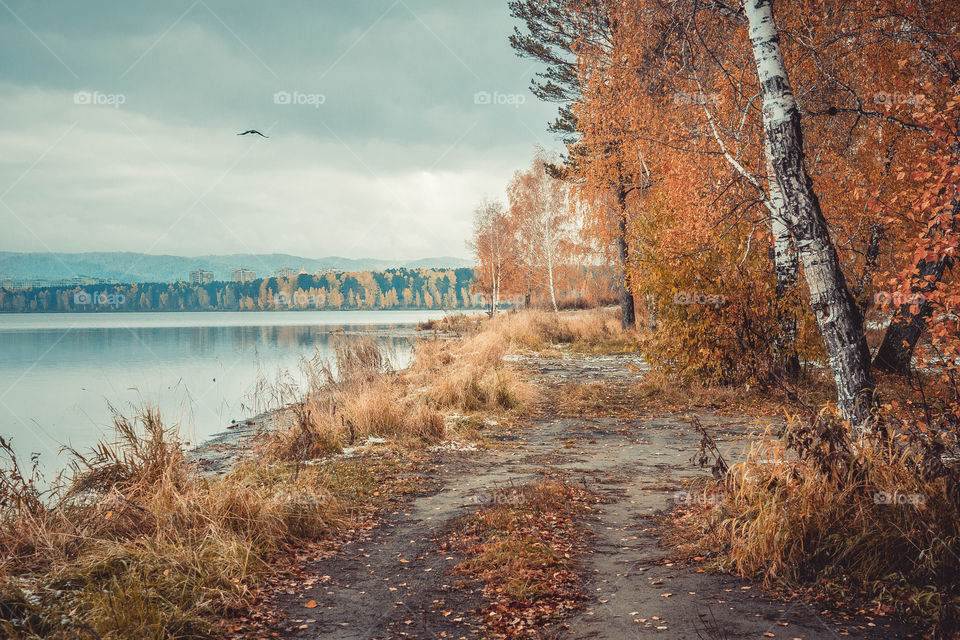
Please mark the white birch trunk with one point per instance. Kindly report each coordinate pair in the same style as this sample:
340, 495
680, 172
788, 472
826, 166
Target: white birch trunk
549, 240
786, 269
493, 269
833, 306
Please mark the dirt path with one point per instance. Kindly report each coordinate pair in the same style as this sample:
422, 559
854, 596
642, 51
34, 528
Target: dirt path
396, 582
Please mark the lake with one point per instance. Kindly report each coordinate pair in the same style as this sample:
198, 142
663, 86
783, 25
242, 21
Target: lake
59, 373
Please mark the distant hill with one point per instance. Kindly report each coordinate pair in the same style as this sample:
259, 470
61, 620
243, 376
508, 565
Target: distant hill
142, 267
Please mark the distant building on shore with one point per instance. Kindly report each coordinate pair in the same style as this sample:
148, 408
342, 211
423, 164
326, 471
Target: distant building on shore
286, 272
199, 276
12, 284
242, 275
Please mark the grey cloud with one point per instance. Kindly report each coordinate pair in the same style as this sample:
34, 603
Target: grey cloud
391, 164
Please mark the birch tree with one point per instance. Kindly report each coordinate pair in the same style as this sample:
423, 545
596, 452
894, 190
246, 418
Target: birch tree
699, 90
542, 219
834, 308
494, 247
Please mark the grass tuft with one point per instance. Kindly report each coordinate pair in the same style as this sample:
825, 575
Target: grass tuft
879, 519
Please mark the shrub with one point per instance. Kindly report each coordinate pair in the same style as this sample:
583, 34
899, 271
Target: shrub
880, 517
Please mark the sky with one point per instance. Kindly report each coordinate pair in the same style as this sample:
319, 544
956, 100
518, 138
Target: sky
388, 122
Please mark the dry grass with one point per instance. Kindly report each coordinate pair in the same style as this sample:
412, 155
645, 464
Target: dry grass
468, 375
593, 331
169, 555
650, 393
357, 396
458, 323
656, 392
134, 545
878, 520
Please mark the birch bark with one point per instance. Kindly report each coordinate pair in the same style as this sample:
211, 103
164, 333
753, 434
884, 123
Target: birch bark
786, 267
549, 248
835, 310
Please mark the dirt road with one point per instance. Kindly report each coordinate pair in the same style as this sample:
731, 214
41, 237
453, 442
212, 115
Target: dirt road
395, 582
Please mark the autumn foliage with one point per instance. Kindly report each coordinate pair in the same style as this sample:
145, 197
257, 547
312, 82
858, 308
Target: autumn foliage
784, 181
538, 250
752, 247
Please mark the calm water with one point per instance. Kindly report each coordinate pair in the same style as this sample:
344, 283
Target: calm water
58, 372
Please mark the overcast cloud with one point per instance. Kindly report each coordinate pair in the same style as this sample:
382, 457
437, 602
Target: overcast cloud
120, 119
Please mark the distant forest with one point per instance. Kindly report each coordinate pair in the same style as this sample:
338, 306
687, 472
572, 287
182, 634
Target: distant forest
399, 288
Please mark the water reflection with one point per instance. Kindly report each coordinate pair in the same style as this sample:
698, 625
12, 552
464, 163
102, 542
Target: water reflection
55, 382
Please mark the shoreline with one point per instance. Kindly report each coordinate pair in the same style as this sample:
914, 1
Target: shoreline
118, 311
219, 452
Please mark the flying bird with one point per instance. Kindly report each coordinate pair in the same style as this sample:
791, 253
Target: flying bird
252, 131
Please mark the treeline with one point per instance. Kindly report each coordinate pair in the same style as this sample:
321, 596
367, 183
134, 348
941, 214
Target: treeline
388, 289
